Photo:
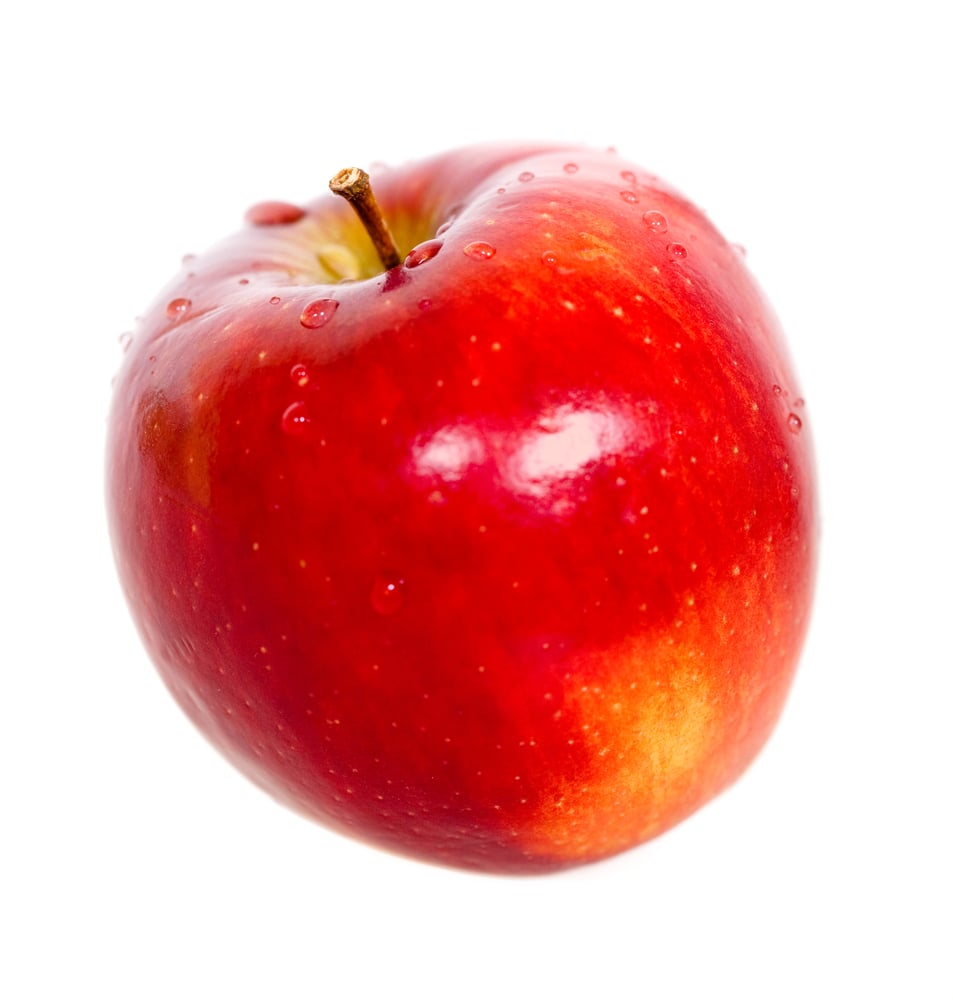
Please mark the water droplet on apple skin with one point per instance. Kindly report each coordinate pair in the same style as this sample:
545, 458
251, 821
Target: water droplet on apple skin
655, 221
387, 594
630, 197
422, 253
525, 176
299, 375
296, 420
794, 423
318, 313
273, 213
177, 308
551, 259
677, 251
479, 250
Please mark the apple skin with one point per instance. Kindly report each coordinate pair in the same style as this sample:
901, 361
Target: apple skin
501, 559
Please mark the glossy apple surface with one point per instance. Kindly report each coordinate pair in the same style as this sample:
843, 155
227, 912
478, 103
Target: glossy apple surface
501, 558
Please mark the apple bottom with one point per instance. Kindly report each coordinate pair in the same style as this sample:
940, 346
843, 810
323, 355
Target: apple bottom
618, 745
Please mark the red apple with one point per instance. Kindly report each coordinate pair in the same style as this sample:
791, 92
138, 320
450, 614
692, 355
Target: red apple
500, 557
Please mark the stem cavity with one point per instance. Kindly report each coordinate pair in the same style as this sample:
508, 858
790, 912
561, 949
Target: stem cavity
354, 184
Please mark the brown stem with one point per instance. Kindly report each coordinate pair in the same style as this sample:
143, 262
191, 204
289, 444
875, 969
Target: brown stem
355, 185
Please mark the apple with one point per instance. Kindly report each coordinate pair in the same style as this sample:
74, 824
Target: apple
475, 518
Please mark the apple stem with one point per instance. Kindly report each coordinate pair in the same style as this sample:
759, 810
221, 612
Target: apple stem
354, 184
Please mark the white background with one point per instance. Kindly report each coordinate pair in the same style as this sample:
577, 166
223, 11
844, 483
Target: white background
135, 863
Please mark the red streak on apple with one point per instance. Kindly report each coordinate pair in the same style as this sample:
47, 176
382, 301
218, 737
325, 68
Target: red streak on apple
501, 558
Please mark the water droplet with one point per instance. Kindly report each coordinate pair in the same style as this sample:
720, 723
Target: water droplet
571, 168
387, 594
777, 390
243, 281
299, 375
628, 176
444, 226
794, 423
177, 308
526, 175
501, 190
630, 196
655, 221
422, 252
275, 299
316, 314
479, 250
273, 213
549, 258
296, 420
799, 402
677, 251
125, 341
424, 304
